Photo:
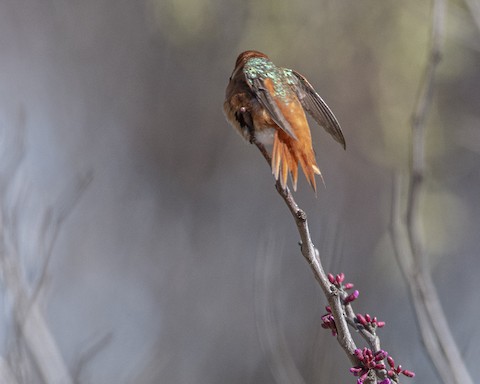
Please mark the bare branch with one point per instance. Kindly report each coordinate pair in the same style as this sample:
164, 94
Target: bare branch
474, 7
409, 246
6, 373
91, 351
311, 255
405, 259
29, 320
52, 223
340, 307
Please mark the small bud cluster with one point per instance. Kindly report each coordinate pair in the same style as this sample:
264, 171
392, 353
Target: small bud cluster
369, 322
328, 321
370, 363
394, 372
374, 361
337, 281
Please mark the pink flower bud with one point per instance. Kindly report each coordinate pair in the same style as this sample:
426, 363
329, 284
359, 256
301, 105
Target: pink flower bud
356, 370
408, 373
361, 319
391, 362
359, 354
331, 278
351, 297
380, 355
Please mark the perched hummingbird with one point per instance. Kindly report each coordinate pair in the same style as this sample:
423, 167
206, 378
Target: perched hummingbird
268, 103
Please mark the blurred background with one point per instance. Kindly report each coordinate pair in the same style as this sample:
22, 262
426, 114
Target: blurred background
145, 237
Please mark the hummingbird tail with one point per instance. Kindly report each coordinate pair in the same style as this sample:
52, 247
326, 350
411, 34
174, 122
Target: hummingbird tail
285, 158
284, 162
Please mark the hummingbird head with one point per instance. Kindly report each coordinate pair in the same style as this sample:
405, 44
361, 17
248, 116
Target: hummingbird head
247, 55
244, 57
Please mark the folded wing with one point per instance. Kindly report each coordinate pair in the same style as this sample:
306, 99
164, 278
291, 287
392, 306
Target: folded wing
317, 108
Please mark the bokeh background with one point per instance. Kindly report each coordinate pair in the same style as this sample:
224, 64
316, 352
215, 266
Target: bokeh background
173, 258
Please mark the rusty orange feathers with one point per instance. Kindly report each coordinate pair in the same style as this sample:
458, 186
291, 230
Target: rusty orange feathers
269, 103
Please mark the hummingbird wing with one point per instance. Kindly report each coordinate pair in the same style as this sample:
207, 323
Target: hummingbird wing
263, 90
317, 108
293, 142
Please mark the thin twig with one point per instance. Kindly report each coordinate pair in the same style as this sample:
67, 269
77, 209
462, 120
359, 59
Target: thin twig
405, 259
474, 7
342, 311
90, 352
38, 338
311, 254
409, 247
6, 373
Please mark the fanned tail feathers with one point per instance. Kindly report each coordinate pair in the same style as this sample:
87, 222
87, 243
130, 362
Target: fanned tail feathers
285, 159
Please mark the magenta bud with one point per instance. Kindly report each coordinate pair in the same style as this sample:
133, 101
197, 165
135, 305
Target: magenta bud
380, 355
351, 297
356, 370
368, 317
368, 353
361, 319
386, 381
408, 373
380, 324
328, 309
331, 278
348, 286
380, 366
359, 354
391, 362
340, 278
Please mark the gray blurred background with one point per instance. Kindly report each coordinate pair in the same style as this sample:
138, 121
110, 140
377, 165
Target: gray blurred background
173, 258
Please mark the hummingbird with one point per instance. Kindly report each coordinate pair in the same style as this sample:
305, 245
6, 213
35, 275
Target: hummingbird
267, 103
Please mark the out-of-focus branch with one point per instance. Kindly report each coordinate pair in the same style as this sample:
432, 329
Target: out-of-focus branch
408, 244
420, 114
474, 7
87, 355
6, 373
29, 320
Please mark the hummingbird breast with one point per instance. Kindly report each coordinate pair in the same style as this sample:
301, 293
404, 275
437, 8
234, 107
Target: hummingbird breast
246, 114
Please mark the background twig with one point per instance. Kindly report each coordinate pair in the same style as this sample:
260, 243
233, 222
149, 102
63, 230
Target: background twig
30, 323
409, 247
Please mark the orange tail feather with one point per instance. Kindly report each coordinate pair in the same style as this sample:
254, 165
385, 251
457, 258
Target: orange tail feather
286, 155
